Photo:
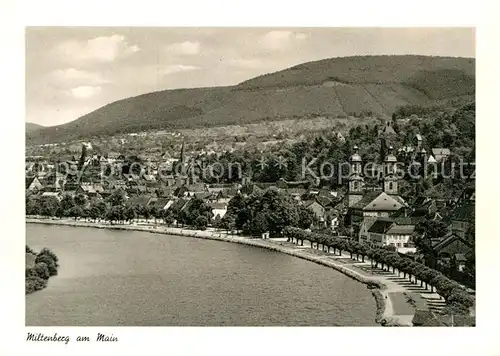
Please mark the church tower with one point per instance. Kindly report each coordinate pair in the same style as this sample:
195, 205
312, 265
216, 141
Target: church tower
356, 181
387, 137
390, 180
182, 158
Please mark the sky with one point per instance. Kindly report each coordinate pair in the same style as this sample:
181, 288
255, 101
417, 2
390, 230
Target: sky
71, 71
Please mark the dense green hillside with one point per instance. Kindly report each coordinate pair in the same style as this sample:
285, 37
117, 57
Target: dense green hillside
336, 87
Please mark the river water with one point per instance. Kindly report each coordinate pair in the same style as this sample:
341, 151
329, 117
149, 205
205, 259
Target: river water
126, 278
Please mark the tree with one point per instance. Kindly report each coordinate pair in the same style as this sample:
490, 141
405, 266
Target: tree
118, 197
228, 222
168, 217
50, 259
306, 217
157, 213
195, 208
33, 207
116, 214
201, 222
238, 208
41, 270
49, 206
67, 203
257, 225
217, 222
81, 161
129, 213
80, 200
145, 212
76, 212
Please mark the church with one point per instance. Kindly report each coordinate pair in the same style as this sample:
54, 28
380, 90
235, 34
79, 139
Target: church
366, 204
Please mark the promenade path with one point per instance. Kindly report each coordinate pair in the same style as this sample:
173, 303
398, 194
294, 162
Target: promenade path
403, 296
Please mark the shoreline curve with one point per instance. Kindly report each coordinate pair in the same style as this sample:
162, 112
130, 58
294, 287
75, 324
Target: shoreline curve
384, 309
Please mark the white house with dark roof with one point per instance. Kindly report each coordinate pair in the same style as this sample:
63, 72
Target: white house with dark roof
33, 184
377, 204
219, 209
385, 232
56, 195
440, 154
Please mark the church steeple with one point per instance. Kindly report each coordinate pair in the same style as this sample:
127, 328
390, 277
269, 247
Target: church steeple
356, 180
390, 181
182, 158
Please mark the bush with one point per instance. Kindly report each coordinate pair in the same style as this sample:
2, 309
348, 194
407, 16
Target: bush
41, 270
46, 251
49, 261
45, 266
34, 283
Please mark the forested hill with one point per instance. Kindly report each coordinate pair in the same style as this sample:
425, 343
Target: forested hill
336, 87
30, 127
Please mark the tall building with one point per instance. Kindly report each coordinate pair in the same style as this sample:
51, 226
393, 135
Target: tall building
356, 180
364, 206
387, 138
390, 179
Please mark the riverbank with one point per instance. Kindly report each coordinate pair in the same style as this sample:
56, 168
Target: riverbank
382, 289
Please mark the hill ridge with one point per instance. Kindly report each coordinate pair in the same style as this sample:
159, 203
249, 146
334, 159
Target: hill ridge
331, 87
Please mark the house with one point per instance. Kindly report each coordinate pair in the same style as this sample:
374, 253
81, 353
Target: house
56, 179
333, 217
33, 184
89, 189
385, 232
178, 205
400, 236
113, 156
219, 209
377, 204
141, 200
318, 209
421, 209
250, 189
364, 227
296, 193
468, 195
181, 191
50, 195
192, 189
225, 195
160, 203
203, 195
168, 180
440, 154
452, 248
116, 184
376, 233
462, 218
149, 178
165, 192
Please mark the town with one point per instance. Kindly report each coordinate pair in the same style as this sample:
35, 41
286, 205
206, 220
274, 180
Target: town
426, 213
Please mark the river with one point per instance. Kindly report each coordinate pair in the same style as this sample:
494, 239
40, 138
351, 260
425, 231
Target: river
128, 278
